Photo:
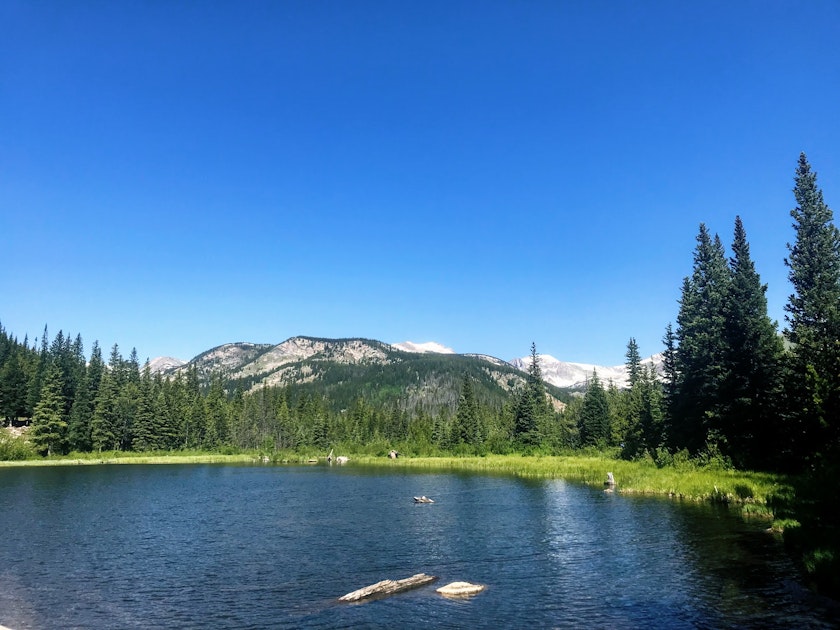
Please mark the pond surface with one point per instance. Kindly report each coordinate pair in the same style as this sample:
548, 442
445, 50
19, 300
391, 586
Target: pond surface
219, 546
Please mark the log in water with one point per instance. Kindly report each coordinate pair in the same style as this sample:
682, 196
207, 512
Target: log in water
388, 587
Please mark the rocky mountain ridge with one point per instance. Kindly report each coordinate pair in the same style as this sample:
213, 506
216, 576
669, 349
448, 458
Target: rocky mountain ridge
344, 370
267, 364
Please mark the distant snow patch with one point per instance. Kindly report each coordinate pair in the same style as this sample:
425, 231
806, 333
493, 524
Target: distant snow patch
429, 346
567, 374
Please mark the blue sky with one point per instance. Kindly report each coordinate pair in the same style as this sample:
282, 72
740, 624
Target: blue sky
174, 176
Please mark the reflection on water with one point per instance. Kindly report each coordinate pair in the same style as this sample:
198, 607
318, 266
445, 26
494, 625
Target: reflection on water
259, 547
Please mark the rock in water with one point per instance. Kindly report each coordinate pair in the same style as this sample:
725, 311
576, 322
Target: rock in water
460, 589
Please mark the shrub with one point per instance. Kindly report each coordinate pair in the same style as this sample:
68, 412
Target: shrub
14, 447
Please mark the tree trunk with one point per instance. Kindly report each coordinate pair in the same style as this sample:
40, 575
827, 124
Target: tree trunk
388, 587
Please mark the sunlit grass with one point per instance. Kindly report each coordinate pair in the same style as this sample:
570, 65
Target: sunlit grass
688, 482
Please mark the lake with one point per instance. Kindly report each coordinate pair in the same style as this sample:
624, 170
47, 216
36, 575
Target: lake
227, 546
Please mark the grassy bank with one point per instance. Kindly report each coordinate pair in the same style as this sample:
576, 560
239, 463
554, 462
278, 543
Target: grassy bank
687, 482
157, 457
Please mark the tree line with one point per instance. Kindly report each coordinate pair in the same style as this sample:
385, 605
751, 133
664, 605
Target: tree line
732, 388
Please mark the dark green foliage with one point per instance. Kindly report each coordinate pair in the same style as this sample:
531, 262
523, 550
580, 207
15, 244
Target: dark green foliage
531, 406
640, 416
49, 422
594, 422
144, 436
751, 396
634, 362
81, 412
13, 384
696, 406
104, 424
467, 428
813, 317
669, 378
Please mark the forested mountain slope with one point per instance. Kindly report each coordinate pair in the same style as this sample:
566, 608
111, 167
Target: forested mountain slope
342, 370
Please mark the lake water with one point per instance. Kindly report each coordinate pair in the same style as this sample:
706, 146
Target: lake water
219, 546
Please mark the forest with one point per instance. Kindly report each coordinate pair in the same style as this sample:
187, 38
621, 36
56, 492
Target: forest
734, 390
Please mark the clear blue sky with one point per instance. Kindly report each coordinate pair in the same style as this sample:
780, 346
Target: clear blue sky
178, 175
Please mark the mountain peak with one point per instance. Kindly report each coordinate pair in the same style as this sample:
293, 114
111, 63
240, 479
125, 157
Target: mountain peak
164, 364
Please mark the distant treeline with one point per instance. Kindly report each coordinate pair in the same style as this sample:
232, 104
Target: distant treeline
733, 390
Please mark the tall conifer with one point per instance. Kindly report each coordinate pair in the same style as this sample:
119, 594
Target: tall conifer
701, 352
813, 317
634, 362
532, 405
754, 353
467, 421
49, 422
594, 421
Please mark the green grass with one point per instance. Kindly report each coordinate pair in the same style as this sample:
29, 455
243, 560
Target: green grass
686, 482
164, 457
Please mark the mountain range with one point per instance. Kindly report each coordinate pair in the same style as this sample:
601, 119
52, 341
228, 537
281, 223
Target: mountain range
294, 361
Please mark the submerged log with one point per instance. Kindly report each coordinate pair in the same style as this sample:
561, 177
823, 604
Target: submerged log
388, 587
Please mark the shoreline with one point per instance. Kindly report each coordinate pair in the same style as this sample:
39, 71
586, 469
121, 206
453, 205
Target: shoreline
748, 489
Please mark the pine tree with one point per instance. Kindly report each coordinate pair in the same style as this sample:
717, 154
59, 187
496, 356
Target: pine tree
651, 410
696, 408
754, 355
36, 381
594, 422
216, 433
144, 436
669, 385
81, 412
49, 421
532, 404
104, 428
467, 422
813, 317
13, 385
634, 362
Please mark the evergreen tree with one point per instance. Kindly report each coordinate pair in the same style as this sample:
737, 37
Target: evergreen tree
594, 422
144, 436
81, 411
532, 404
696, 409
754, 355
467, 421
36, 381
634, 362
191, 411
166, 432
13, 385
813, 317
216, 414
669, 385
104, 427
651, 416
49, 421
